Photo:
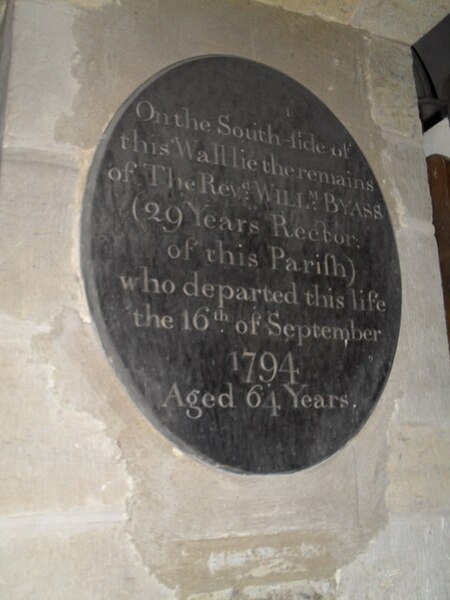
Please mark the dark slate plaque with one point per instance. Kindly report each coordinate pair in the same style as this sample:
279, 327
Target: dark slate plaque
241, 266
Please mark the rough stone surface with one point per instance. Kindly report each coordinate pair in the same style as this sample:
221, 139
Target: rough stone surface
400, 156
419, 469
208, 28
55, 441
72, 558
303, 590
333, 10
6, 16
96, 503
40, 85
403, 20
39, 277
392, 92
422, 311
316, 41
394, 565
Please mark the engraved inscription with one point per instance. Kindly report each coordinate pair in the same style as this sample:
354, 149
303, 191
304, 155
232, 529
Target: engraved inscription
241, 266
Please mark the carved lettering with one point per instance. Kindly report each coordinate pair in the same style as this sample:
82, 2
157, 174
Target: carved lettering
239, 256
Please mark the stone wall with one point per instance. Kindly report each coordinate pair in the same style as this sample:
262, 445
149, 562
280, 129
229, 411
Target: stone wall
401, 20
95, 503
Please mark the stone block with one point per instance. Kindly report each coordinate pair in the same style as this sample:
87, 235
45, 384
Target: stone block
406, 559
55, 559
315, 47
41, 85
405, 171
392, 91
211, 27
422, 354
62, 95
114, 55
419, 469
38, 225
296, 590
107, 72
370, 449
288, 563
404, 20
333, 10
54, 457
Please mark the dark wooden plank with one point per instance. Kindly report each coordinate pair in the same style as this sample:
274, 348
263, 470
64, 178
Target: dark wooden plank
439, 179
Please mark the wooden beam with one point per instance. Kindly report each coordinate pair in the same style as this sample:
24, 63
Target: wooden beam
439, 179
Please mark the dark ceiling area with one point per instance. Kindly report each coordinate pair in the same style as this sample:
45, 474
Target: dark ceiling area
431, 56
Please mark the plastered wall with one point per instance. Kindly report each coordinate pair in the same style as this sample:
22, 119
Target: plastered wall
95, 504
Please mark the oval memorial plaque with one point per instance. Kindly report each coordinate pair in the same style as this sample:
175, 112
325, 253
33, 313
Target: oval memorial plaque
241, 265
